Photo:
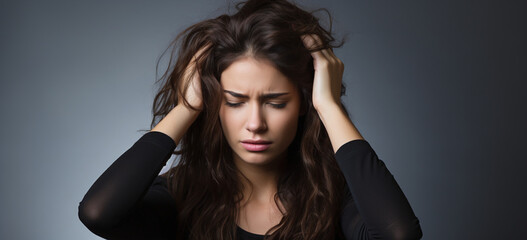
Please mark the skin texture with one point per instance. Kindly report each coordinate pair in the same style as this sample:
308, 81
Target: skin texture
326, 94
273, 119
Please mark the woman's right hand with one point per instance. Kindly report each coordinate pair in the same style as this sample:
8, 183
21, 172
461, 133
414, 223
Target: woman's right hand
179, 119
193, 94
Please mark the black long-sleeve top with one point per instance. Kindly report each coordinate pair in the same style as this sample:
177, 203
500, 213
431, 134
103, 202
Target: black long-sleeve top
131, 201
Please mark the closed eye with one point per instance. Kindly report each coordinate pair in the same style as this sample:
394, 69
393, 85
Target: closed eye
232, 104
274, 105
280, 105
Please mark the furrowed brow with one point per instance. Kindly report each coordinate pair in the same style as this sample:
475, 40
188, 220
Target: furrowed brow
235, 94
272, 95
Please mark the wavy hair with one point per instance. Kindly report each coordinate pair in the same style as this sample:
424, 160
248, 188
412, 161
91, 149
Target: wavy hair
204, 182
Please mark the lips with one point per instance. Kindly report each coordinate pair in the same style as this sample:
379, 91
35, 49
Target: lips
256, 145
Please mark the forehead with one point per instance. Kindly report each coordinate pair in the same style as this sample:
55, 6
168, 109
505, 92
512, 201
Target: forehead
250, 75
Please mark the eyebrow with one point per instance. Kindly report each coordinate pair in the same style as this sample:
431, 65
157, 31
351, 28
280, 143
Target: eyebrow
262, 97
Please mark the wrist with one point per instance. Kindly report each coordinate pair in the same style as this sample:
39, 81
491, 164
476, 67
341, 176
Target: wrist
177, 121
192, 109
187, 111
328, 108
339, 127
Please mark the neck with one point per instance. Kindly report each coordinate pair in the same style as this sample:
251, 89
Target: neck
260, 181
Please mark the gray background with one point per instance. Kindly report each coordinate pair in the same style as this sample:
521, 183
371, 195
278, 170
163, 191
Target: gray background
437, 88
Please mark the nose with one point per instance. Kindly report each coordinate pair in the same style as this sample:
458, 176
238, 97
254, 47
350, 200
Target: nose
256, 120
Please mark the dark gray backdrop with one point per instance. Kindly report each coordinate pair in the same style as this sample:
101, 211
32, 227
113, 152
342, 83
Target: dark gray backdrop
437, 88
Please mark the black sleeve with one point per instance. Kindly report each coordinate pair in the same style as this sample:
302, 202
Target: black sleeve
376, 208
129, 200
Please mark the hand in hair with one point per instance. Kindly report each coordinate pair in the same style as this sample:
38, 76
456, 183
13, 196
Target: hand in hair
328, 73
326, 94
190, 84
178, 120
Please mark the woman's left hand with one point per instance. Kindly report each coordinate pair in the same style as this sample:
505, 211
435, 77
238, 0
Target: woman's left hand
326, 94
328, 74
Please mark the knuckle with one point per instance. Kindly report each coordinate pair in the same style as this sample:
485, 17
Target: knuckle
332, 60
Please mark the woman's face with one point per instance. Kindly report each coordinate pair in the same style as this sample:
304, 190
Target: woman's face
259, 104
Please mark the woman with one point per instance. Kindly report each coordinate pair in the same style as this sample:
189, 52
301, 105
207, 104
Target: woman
266, 146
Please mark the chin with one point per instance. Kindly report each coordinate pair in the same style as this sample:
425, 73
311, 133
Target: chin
256, 158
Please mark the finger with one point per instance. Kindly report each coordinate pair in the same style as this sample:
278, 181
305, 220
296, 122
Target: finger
190, 70
199, 54
318, 59
328, 59
324, 56
328, 55
331, 53
332, 58
311, 41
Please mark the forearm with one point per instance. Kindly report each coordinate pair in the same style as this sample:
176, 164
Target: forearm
113, 195
120, 188
378, 207
176, 122
338, 125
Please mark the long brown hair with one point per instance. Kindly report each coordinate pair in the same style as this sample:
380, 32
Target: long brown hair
204, 182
